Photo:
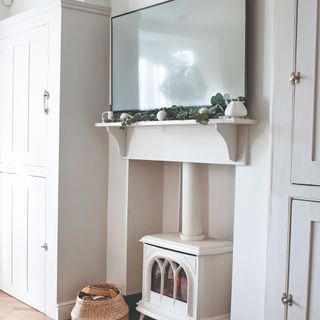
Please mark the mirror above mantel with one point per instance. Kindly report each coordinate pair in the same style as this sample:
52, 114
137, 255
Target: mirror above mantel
179, 52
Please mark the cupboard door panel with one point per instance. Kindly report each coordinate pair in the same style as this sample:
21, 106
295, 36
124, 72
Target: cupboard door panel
19, 236
306, 135
36, 239
20, 100
6, 193
6, 100
304, 276
38, 82
22, 227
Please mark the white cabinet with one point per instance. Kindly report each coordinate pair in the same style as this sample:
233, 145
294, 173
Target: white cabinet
24, 80
306, 133
53, 164
304, 277
294, 233
38, 99
22, 215
6, 232
6, 80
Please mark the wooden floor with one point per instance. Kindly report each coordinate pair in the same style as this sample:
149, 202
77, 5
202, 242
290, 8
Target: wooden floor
12, 309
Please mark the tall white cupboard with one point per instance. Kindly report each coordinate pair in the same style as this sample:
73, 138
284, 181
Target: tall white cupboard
293, 281
53, 165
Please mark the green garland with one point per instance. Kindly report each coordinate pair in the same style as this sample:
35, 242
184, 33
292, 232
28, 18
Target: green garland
217, 108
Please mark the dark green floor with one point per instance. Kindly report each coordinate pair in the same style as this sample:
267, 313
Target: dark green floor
132, 303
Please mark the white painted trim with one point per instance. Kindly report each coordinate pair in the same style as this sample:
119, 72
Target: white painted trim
26, 15
226, 141
179, 123
223, 317
40, 10
86, 7
172, 241
64, 309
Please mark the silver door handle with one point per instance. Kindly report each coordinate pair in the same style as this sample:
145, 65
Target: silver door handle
286, 299
46, 96
45, 247
295, 78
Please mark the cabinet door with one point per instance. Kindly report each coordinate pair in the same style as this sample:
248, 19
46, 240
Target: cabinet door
23, 81
304, 276
20, 100
5, 232
6, 99
38, 83
36, 204
22, 217
306, 135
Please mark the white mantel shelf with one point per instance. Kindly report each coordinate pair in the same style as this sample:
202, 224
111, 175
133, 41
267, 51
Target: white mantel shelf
222, 141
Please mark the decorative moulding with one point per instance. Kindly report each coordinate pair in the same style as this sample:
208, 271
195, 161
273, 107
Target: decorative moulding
38, 11
222, 141
87, 7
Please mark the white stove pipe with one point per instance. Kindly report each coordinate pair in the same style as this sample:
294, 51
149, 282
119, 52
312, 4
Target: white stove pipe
192, 202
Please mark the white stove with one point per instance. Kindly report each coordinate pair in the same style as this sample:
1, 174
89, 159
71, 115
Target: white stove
185, 279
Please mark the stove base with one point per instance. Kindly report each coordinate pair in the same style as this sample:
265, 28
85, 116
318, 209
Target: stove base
148, 309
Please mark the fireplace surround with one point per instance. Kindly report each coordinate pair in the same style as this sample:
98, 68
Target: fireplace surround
186, 276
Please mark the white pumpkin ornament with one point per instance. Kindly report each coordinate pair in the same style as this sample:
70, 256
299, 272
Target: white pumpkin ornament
204, 110
161, 115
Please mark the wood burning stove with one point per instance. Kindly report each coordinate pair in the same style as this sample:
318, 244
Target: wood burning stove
185, 279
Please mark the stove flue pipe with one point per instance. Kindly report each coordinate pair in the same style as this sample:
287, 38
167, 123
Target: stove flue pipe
192, 203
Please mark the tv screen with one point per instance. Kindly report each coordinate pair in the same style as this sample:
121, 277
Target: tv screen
180, 52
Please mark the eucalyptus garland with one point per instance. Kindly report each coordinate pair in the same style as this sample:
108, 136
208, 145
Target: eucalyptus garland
202, 115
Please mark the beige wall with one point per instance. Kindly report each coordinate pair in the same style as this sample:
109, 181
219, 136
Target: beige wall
4, 12
252, 186
122, 6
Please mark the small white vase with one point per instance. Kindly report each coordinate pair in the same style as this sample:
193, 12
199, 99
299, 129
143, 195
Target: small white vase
107, 115
236, 109
161, 115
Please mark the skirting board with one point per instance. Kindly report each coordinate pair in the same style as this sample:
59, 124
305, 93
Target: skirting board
223, 317
64, 309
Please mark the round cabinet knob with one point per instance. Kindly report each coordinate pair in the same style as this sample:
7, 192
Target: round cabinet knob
287, 299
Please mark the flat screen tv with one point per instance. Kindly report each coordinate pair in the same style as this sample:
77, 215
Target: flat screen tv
179, 52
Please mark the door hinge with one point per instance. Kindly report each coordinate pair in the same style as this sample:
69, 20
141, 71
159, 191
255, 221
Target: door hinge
295, 78
46, 96
286, 299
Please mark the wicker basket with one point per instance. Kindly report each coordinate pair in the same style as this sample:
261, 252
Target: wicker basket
111, 305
